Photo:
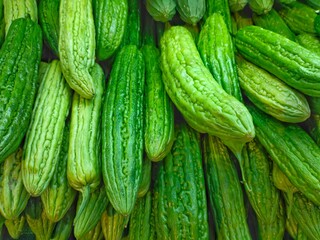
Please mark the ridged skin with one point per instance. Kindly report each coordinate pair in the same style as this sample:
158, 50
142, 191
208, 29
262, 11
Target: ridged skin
2, 24
179, 186
159, 116
63, 228
222, 7
140, 219
84, 158
110, 22
13, 195
225, 193
273, 22
294, 229
94, 234
271, 95
261, 7
59, 195
281, 181
145, 180
14, 9
263, 195
43, 141
313, 3
217, 52
23, 48
191, 11
15, 226
77, 45
293, 150
123, 128
161, 10
132, 32
299, 17
113, 223
237, 5
292, 63
49, 22
201, 100
309, 41
92, 212
307, 215
37, 220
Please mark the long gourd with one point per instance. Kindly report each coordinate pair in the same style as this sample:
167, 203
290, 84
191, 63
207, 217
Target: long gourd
179, 186
293, 150
59, 195
221, 7
43, 140
77, 45
22, 47
110, 22
261, 7
84, 158
14, 9
203, 103
122, 129
13, 195
292, 63
161, 10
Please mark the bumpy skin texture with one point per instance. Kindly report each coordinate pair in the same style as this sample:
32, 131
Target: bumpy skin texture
132, 32
59, 195
110, 22
221, 7
122, 129
261, 7
92, 212
273, 22
299, 17
140, 219
63, 228
145, 180
292, 63
94, 234
225, 193
14, 9
37, 220
309, 41
77, 45
293, 150
201, 100
237, 5
84, 160
22, 47
217, 52
13, 195
307, 215
113, 223
263, 195
159, 120
15, 226
49, 22
179, 186
191, 11
271, 95
43, 141
161, 10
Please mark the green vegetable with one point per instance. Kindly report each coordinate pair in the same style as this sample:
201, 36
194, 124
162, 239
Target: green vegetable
179, 193
293, 64
217, 52
161, 10
242, 19
224, 190
59, 195
203, 103
13, 195
94, 234
15, 226
309, 41
271, 95
261, 7
110, 22
77, 45
237, 5
132, 32
293, 150
43, 141
313, 3
49, 22
145, 181
272, 21
122, 129
22, 47
222, 7
191, 11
